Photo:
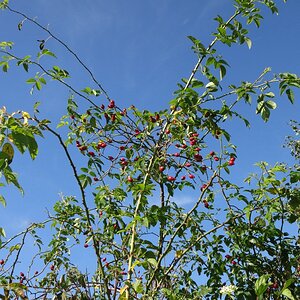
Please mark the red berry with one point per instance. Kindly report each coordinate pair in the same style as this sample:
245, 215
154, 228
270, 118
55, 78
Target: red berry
91, 153
123, 273
152, 119
233, 262
198, 149
104, 259
212, 153
203, 168
157, 117
228, 256
183, 146
167, 131
36, 272
111, 104
191, 176
82, 148
203, 187
52, 267
161, 168
206, 204
102, 145
231, 163
122, 148
176, 154
86, 245
22, 274
198, 157
110, 157
216, 158
171, 178
193, 142
72, 117
183, 177
275, 285
129, 179
188, 164
2, 262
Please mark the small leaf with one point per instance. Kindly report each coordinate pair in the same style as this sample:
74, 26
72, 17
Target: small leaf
265, 114
222, 72
2, 201
152, 261
2, 232
271, 104
290, 95
248, 42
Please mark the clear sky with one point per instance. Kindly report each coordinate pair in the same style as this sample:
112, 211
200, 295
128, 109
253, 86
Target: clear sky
138, 50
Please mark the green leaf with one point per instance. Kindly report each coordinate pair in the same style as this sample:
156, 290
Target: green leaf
152, 261
2, 232
222, 72
2, 201
38, 85
248, 42
211, 87
265, 114
31, 80
32, 147
290, 95
261, 285
271, 104
288, 294
42, 80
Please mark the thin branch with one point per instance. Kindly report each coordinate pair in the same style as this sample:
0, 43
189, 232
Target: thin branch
64, 45
84, 202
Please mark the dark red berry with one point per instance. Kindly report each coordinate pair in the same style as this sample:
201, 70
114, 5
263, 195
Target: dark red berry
171, 178
111, 104
198, 157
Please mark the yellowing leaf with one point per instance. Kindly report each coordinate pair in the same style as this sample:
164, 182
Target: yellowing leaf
9, 151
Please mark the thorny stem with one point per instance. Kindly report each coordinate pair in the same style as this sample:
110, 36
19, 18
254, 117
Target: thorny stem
170, 243
207, 50
151, 162
50, 75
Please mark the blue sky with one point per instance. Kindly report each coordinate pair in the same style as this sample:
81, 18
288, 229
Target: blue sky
138, 50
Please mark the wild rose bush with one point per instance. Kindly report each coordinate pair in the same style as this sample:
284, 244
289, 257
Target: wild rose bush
138, 242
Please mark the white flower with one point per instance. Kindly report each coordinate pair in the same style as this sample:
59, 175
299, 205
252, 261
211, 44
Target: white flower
228, 289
